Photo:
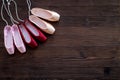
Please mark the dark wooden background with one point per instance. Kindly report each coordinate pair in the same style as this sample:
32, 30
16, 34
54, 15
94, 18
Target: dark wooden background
86, 45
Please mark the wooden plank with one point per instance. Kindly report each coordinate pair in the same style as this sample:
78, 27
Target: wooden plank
80, 11
76, 2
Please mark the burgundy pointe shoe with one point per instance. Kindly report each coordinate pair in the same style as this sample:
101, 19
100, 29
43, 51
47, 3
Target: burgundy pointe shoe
35, 32
28, 39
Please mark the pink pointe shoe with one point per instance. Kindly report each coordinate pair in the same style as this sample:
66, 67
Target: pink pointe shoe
8, 40
18, 39
26, 36
44, 26
45, 14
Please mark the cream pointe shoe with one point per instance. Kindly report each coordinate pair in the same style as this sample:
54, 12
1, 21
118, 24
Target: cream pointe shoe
8, 40
18, 39
45, 14
44, 26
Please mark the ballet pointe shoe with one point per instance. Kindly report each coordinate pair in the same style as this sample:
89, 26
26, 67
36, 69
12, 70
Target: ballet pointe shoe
8, 40
45, 14
26, 36
18, 39
43, 25
35, 31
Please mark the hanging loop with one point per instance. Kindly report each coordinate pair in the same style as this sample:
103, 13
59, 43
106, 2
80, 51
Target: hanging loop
16, 10
2, 14
29, 6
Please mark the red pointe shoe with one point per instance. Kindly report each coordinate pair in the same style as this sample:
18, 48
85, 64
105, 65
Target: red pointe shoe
26, 36
35, 32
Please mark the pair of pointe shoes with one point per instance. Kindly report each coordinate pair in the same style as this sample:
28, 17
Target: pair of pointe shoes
44, 14
14, 35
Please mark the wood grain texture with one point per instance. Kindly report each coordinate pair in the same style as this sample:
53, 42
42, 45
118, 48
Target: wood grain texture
86, 45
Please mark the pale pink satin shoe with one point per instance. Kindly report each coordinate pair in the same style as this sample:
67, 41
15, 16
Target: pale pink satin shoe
43, 25
18, 39
45, 14
8, 40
